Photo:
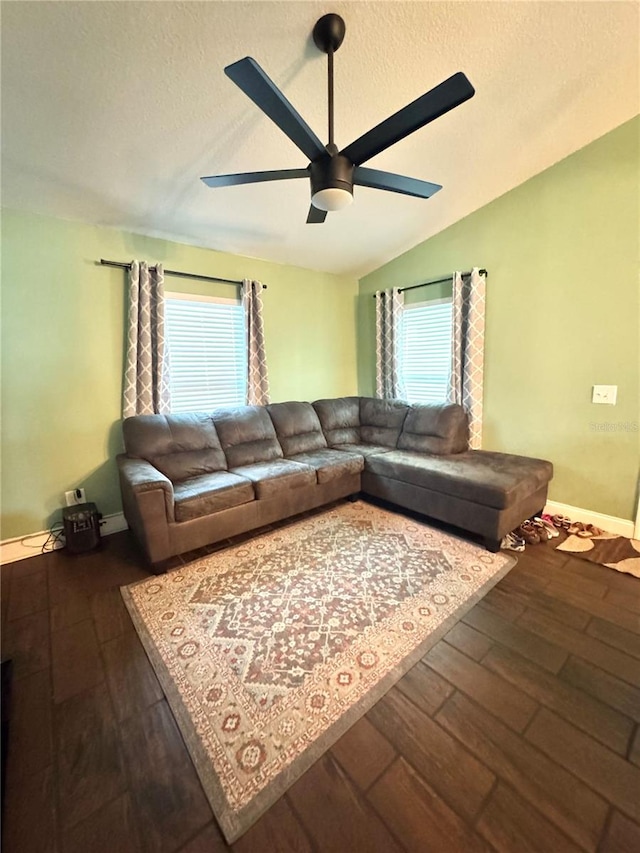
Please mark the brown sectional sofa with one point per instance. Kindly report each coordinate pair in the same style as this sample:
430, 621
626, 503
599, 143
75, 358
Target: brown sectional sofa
194, 479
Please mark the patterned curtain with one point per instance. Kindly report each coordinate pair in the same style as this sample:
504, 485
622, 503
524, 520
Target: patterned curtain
389, 306
467, 349
257, 380
146, 379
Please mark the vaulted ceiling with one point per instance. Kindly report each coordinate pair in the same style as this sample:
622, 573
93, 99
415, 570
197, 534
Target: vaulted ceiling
111, 111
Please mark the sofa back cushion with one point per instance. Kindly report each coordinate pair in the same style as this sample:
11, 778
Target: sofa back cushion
340, 419
247, 435
439, 429
381, 420
297, 427
180, 446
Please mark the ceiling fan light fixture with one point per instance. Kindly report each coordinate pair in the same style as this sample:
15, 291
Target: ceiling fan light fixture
331, 198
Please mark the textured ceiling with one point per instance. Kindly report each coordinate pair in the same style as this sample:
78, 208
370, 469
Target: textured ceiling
111, 111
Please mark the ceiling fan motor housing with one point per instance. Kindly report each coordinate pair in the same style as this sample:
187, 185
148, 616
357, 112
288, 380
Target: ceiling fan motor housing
332, 172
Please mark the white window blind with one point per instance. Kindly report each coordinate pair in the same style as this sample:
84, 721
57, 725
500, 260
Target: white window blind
207, 352
425, 353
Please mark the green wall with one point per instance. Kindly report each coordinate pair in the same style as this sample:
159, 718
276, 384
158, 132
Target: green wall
63, 344
563, 256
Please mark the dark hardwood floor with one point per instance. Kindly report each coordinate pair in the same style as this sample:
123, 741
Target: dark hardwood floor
517, 732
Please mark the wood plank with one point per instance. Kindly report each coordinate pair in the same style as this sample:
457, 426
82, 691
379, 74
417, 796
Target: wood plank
108, 829
611, 660
29, 825
30, 748
5, 595
498, 601
335, 814
614, 635
498, 696
425, 688
279, 829
550, 606
530, 646
76, 661
110, 616
29, 594
73, 608
575, 573
597, 719
509, 823
210, 840
607, 773
466, 639
623, 835
132, 682
26, 642
558, 795
422, 821
586, 570
169, 803
461, 780
577, 596
363, 753
623, 599
603, 686
90, 767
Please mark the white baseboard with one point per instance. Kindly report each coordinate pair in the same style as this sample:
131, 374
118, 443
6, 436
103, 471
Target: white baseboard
22, 547
610, 523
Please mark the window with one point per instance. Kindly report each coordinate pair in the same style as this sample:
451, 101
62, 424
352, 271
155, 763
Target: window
425, 350
207, 352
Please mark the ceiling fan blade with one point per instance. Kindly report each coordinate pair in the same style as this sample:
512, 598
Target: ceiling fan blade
394, 183
254, 177
315, 216
438, 101
248, 76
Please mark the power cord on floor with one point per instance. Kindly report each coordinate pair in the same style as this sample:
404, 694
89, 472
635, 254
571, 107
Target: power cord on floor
54, 540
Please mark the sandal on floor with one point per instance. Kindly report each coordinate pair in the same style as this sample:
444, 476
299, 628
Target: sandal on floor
541, 530
562, 522
511, 542
589, 530
552, 532
528, 532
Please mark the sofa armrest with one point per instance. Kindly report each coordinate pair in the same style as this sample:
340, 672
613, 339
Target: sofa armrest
148, 503
138, 476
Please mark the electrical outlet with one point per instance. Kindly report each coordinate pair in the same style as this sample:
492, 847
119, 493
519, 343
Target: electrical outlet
604, 394
75, 496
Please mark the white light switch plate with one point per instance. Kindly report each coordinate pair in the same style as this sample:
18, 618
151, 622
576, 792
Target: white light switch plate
605, 394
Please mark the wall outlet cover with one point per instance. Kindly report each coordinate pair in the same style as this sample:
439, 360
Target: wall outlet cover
75, 496
606, 394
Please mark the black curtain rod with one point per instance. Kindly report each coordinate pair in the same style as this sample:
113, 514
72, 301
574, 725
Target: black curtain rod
435, 281
176, 273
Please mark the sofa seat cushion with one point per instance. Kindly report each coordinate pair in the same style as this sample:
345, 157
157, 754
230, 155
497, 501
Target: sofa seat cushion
271, 478
331, 464
363, 449
210, 493
497, 480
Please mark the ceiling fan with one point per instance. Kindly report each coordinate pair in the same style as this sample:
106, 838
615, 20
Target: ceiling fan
334, 173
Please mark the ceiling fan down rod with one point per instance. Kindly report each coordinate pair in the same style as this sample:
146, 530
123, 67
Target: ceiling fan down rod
328, 35
330, 98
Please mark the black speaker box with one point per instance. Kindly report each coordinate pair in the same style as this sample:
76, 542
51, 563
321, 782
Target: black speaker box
81, 524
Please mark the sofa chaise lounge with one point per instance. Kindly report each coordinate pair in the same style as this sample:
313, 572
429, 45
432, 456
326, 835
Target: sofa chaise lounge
190, 480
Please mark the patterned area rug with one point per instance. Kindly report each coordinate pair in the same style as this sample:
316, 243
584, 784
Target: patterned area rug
269, 651
614, 552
